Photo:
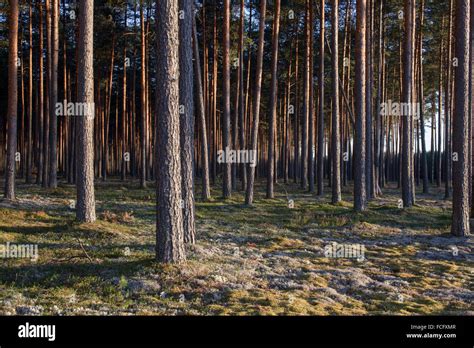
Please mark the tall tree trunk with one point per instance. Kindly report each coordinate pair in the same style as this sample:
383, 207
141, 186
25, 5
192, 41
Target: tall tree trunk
29, 150
242, 142
169, 223
273, 101
306, 109
186, 96
407, 159
460, 224
379, 148
107, 112
311, 114
256, 104
447, 112
85, 207
335, 124
227, 183
40, 112
440, 107
53, 95
320, 160
360, 195
12, 99
47, 116
369, 175
422, 101
206, 190
143, 104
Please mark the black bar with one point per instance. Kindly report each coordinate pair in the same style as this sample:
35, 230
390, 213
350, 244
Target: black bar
288, 331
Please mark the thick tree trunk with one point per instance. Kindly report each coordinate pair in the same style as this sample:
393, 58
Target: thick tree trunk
460, 224
169, 223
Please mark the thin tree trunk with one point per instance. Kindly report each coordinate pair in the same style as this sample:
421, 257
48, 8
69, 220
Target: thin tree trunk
256, 104
186, 92
40, 113
306, 110
12, 99
335, 124
142, 101
85, 207
320, 160
206, 190
227, 183
30, 100
407, 159
360, 100
447, 113
53, 95
273, 100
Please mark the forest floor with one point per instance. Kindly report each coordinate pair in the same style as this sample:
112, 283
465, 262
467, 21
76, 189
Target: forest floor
265, 260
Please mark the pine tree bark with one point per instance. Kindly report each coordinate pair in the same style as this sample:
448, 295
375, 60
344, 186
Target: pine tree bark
206, 189
320, 149
408, 56
12, 99
143, 104
273, 101
369, 175
424, 161
306, 108
53, 95
242, 142
40, 113
360, 195
227, 183
256, 103
447, 108
47, 116
169, 223
186, 96
85, 206
460, 224
29, 150
336, 138
311, 113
